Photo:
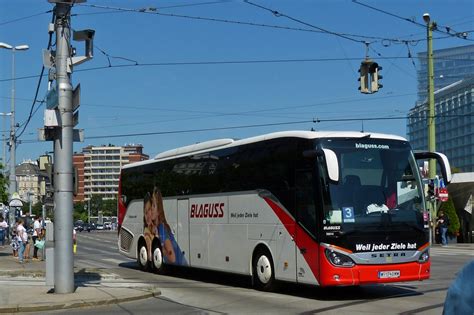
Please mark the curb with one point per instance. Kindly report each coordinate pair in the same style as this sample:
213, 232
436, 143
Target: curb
82, 275
147, 293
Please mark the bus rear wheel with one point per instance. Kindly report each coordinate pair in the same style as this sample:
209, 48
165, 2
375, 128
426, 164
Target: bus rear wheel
157, 262
263, 271
142, 257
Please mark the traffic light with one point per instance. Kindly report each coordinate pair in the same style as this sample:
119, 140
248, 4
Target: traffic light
431, 189
375, 76
364, 77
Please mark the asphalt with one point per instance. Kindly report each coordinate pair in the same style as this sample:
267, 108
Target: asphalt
23, 287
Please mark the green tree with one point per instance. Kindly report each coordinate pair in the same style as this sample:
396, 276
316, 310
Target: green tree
450, 211
96, 204
79, 212
109, 207
37, 209
3, 186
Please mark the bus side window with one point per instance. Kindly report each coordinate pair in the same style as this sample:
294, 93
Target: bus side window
305, 207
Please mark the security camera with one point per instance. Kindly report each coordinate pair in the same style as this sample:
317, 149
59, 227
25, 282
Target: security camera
426, 17
88, 37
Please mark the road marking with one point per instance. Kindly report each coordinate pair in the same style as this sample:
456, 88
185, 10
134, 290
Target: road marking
452, 251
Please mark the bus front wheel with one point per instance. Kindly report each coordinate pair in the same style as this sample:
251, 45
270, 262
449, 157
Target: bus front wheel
263, 271
142, 258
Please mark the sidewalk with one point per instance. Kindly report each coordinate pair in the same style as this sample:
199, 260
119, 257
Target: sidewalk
23, 287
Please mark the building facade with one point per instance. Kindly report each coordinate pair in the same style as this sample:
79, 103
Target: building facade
31, 182
454, 111
98, 169
450, 66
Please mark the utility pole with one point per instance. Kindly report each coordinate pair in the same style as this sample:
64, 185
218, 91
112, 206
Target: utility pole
430, 26
12, 177
60, 118
63, 198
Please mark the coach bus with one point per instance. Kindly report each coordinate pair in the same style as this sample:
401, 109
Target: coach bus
322, 208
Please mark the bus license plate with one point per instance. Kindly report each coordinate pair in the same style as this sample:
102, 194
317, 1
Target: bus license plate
389, 274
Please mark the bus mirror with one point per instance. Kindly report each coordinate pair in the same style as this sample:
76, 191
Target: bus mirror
332, 164
442, 161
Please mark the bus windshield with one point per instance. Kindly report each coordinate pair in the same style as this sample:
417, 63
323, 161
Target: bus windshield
379, 187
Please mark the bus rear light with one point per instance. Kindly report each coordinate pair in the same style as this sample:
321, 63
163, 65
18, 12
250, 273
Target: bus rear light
338, 259
425, 256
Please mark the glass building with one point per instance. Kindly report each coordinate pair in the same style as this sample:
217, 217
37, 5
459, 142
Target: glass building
450, 65
454, 123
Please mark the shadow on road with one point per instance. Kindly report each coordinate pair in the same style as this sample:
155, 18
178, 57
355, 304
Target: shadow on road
365, 292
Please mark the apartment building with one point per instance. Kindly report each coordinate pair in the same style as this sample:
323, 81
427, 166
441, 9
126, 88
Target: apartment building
98, 169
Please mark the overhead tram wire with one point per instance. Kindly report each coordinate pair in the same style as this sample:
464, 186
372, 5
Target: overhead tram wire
314, 29
279, 14
315, 120
455, 34
24, 18
229, 62
32, 111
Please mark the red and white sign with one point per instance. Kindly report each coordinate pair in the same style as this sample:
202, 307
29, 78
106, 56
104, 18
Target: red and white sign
443, 194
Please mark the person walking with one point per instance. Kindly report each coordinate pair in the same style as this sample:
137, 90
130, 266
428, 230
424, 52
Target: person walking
37, 235
3, 230
443, 223
15, 244
23, 239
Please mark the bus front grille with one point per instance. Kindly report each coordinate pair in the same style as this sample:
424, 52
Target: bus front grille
125, 239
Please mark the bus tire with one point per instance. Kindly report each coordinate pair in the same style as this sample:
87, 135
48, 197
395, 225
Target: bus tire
157, 259
263, 271
142, 256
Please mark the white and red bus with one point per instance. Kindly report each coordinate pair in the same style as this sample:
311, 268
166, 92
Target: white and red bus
322, 208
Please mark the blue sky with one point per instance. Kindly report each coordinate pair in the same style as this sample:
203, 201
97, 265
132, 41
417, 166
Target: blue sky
182, 97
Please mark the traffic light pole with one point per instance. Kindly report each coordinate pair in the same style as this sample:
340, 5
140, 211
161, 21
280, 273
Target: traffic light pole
63, 150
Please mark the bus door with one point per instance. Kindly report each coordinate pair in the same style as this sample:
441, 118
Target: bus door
307, 253
183, 227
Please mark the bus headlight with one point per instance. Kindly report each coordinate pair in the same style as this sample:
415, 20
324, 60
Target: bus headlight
425, 256
338, 259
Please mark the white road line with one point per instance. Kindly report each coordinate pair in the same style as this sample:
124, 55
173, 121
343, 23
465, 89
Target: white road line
451, 252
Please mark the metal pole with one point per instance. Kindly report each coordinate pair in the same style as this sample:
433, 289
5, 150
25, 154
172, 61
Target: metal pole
89, 210
43, 226
12, 177
430, 26
431, 101
29, 201
63, 150
4, 139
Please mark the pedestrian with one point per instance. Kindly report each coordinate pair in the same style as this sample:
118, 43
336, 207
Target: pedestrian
15, 244
37, 235
74, 241
27, 224
3, 230
442, 223
23, 239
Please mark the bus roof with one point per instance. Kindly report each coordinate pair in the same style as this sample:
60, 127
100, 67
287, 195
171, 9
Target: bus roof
206, 146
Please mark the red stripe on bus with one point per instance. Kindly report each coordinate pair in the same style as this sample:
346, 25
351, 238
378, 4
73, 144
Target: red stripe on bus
302, 238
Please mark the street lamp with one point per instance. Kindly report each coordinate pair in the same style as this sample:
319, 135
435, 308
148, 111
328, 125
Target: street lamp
12, 186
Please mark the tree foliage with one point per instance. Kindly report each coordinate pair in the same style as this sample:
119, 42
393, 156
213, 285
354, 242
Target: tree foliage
450, 211
3, 186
